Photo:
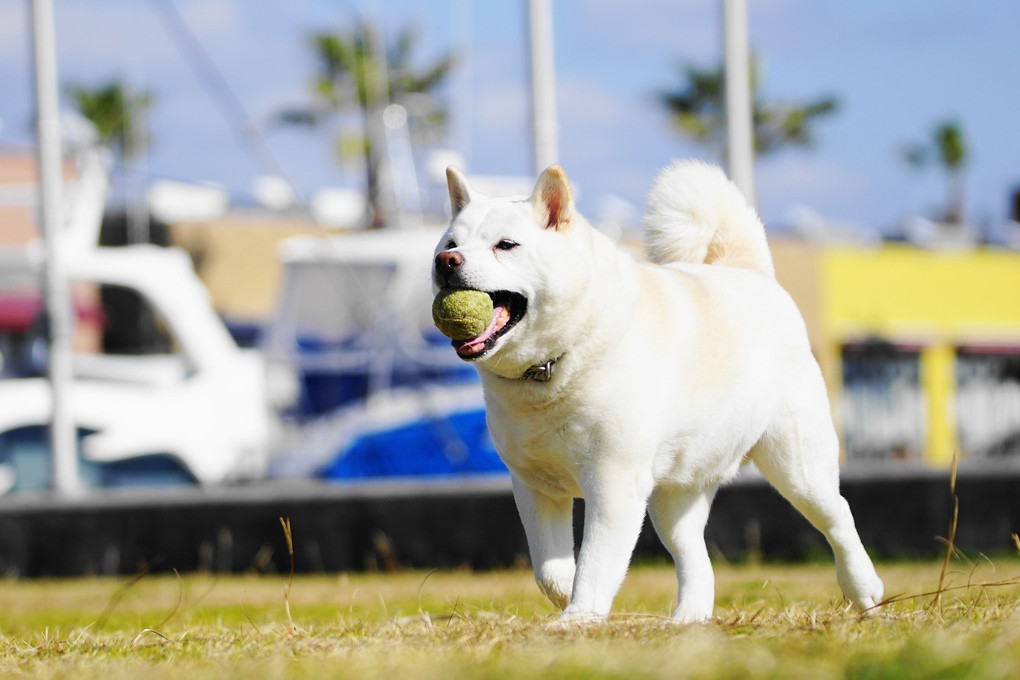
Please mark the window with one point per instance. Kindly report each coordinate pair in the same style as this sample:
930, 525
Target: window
988, 403
882, 404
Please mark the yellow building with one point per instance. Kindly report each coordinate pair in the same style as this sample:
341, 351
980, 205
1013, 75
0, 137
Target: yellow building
946, 321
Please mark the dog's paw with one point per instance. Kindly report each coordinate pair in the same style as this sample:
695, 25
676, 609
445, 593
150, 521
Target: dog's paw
555, 579
696, 601
574, 619
685, 615
867, 602
864, 590
556, 596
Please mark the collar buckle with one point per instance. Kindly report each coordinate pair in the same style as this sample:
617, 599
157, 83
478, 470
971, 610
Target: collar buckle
541, 373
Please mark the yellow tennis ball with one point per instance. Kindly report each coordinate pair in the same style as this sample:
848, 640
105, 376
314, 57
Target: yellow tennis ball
461, 314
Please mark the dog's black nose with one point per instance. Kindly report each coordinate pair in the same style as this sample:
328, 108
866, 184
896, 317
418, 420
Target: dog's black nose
447, 261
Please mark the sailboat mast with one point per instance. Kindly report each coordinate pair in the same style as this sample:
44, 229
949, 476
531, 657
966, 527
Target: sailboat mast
56, 287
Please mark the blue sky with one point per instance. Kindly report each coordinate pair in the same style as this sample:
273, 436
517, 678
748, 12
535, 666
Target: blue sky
898, 68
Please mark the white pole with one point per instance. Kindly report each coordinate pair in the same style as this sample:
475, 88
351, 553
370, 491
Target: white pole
543, 84
58, 300
463, 81
740, 147
135, 206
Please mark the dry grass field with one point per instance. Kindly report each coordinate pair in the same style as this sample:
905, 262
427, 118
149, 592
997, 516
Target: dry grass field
772, 621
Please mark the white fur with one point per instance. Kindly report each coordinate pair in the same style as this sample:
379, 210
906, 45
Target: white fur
669, 377
696, 215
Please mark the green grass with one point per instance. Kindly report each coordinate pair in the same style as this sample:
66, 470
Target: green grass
772, 621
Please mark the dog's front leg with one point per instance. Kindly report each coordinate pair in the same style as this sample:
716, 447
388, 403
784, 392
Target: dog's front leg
548, 524
613, 514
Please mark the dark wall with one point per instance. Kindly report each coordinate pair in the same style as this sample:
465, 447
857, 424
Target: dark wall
337, 529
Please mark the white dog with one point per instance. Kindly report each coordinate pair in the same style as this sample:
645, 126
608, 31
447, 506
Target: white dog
643, 387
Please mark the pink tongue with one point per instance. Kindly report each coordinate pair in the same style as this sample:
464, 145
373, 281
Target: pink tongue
500, 315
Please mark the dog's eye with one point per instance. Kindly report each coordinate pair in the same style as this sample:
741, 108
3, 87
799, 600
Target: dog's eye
507, 244
450, 245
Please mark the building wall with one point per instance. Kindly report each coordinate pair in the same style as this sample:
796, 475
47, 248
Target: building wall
961, 297
926, 302
19, 174
237, 260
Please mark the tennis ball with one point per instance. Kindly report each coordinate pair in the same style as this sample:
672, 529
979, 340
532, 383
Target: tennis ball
461, 314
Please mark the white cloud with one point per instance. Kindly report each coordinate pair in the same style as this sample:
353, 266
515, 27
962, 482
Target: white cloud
591, 119
211, 17
98, 40
501, 108
834, 190
14, 30
590, 104
663, 26
101, 39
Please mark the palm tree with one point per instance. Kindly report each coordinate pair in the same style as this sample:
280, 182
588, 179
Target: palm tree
699, 112
118, 115
946, 147
115, 113
355, 76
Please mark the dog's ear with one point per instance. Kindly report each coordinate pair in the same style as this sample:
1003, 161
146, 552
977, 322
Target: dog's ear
552, 201
460, 192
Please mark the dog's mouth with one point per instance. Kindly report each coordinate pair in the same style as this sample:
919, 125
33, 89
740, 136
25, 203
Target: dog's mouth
507, 310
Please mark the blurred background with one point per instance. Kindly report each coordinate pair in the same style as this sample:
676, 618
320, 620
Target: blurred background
251, 193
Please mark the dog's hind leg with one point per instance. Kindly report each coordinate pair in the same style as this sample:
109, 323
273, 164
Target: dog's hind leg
679, 516
549, 527
801, 460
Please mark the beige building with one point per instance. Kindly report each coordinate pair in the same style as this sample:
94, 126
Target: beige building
19, 176
236, 258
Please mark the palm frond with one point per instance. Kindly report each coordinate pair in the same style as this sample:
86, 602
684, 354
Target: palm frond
699, 110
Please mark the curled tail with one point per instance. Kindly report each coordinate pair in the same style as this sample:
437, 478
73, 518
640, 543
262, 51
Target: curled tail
695, 214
